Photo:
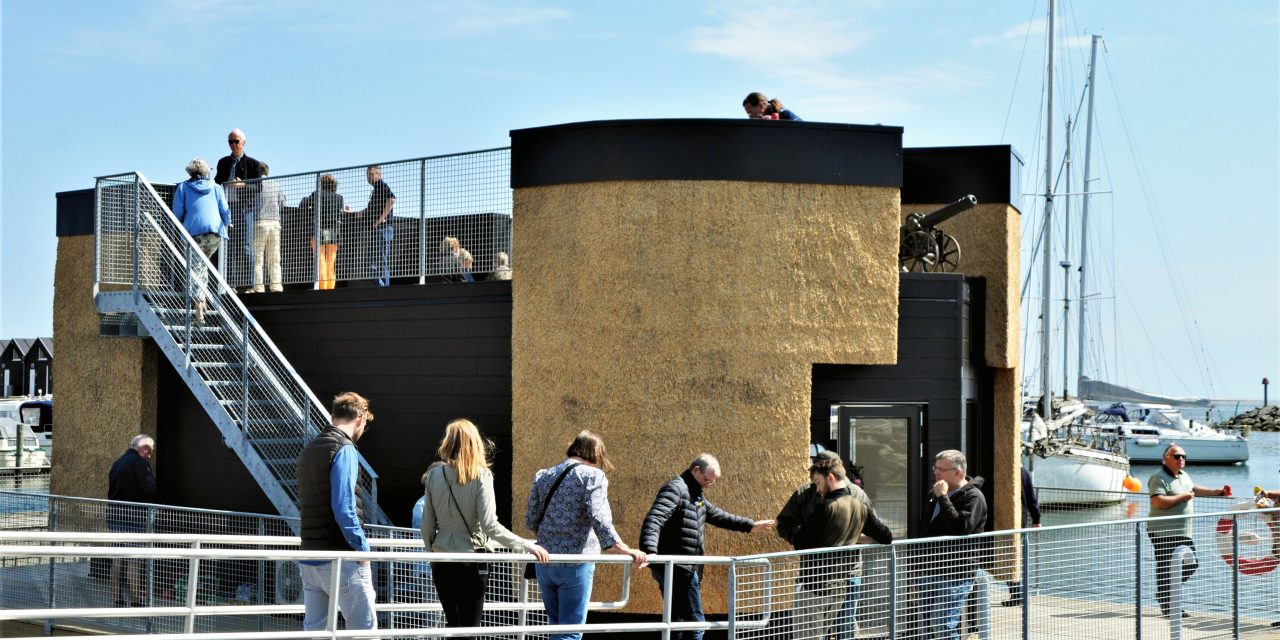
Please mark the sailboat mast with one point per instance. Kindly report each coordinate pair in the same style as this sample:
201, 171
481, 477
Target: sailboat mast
1066, 263
1084, 212
1046, 396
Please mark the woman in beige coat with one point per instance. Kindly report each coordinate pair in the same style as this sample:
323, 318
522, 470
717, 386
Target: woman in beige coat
458, 516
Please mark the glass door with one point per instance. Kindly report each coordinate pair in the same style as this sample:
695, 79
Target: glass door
880, 439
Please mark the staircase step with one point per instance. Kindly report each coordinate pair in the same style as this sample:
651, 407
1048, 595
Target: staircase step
277, 442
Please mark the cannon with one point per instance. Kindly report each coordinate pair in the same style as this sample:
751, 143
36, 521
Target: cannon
923, 247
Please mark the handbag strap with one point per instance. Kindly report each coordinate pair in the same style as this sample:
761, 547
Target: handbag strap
449, 486
547, 500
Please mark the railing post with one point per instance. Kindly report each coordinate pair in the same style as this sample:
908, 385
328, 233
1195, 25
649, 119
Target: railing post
188, 281
733, 597
1235, 576
668, 574
53, 601
331, 616
137, 233
262, 575
523, 616
151, 568
1175, 592
422, 221
1137, 581
315, 236
244, 374
1026, 584
193, 583
893, 592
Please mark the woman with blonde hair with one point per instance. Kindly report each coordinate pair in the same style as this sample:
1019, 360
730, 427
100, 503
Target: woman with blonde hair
458, 516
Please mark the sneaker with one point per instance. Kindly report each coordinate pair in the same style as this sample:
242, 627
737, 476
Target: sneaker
1013, 602
1276, 624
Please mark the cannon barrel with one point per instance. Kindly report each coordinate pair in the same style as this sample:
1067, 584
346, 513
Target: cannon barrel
950, 211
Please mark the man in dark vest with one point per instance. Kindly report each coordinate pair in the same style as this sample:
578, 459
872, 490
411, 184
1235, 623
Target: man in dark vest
331, 515
130, 480
674, 526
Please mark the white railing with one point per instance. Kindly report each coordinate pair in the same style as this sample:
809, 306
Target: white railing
195, 549
1100, 574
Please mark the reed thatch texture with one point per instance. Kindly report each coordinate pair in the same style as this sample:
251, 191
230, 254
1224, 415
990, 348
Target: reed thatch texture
676, 317
106, 386
1006, 482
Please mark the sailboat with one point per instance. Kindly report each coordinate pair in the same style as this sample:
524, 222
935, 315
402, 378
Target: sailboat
1055, 451
1146, 424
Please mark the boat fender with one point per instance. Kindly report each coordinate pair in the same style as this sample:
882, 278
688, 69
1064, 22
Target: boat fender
1249, 566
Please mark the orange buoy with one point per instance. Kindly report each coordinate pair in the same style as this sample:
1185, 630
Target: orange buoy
1132, 484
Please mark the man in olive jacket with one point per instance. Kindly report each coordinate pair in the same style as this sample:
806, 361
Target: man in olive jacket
674, 527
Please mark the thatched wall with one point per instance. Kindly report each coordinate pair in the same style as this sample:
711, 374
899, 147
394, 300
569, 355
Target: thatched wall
106, 386
675, 317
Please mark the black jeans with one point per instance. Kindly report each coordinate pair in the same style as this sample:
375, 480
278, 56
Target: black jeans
686, 599
461, 587
1165, 547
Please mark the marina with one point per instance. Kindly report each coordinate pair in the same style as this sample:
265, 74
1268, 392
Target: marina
963, 268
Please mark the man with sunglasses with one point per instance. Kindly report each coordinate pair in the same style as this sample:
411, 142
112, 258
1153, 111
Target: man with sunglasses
1171, 491
232, 172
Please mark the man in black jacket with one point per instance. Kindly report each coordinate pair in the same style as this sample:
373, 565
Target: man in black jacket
674, 526
233, 171
944, 571
130, 480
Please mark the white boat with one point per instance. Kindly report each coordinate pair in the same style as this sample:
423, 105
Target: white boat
1150, 428
1056, 459
25, 456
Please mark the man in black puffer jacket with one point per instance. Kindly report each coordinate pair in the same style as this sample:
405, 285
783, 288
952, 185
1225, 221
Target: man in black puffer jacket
674, 527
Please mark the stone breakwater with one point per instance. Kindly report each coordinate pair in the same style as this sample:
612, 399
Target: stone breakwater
1260, 419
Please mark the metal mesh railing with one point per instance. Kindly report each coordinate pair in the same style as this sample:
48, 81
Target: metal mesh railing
450, 221
232, 366
1096, 580
70, 583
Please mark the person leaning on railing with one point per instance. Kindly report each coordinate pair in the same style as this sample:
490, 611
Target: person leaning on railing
266, 234
330, 205
1274, 497
201, 206
566, 504
459, 516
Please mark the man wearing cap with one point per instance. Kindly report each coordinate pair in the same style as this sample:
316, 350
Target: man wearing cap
1172, 491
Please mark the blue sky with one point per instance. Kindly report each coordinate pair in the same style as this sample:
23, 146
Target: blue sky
1187, 92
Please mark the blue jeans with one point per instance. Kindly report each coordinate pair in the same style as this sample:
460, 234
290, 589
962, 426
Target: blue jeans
565, 593
846, 619
686, 600
380, 263
355, 595
941, 601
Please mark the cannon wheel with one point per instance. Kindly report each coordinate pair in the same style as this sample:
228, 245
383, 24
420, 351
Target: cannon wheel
948, 254
919, 252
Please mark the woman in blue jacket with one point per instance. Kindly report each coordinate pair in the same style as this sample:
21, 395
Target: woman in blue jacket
201, 207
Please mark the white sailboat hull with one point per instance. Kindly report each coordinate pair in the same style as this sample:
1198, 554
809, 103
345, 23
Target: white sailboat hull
1150, 449
1081, 469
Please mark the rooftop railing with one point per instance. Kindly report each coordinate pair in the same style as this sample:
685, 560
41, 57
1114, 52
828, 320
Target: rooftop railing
450, 221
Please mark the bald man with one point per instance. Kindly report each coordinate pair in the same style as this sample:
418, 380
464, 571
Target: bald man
233, 170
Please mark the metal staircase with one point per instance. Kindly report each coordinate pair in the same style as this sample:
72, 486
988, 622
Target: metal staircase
264, 410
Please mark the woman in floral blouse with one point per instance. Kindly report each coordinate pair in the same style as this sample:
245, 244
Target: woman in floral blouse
575, 519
